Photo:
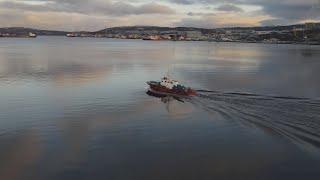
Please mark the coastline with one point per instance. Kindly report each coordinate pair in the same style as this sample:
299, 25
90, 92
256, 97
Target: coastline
313, 43
305, 34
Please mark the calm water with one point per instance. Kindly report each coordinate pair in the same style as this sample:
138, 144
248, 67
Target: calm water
78, 109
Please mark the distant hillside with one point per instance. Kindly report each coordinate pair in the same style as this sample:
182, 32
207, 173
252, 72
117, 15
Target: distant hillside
124, 29
267, 28
22, 31
120, 30
150, 28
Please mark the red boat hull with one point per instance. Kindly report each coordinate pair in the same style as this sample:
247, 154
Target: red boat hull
161, 89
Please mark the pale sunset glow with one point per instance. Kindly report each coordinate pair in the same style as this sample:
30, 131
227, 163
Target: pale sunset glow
97, 14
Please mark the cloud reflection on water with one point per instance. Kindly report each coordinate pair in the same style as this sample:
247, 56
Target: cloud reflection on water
78, 107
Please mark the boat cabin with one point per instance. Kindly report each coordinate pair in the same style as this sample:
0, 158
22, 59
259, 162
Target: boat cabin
168, 83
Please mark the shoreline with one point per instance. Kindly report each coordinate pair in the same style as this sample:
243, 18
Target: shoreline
313, 43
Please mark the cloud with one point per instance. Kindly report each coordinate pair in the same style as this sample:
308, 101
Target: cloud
183, 1
291, 11
89, 7
12, 18
203, 1
284, 9
82, 14
220, 20
229, 8
76, 22
153, 8
202, 13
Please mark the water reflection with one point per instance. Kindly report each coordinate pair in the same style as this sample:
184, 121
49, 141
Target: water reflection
19, 154
77, 109
281, 70
164, 97
60, 71
174, 105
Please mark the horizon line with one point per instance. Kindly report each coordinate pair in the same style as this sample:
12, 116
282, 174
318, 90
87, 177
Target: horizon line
226, 27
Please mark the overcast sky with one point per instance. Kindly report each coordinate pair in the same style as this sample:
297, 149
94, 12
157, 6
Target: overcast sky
98, 14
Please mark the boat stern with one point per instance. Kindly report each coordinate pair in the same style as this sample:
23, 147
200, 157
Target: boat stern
191, 92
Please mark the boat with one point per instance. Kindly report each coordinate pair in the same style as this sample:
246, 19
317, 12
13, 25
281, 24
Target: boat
71, 35
32, 35
170, 87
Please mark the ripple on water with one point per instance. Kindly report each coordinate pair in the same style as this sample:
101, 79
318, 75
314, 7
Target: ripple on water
297, 119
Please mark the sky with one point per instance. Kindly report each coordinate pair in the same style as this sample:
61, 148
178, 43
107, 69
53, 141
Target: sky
93, 15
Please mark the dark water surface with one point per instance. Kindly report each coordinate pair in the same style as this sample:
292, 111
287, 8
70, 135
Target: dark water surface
78, 109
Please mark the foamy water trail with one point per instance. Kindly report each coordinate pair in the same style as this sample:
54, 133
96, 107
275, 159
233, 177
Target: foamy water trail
297, 119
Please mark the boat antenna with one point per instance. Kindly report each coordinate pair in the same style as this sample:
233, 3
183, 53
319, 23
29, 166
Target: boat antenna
168, 71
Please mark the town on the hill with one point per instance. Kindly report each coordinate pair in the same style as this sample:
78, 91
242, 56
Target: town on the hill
308, 33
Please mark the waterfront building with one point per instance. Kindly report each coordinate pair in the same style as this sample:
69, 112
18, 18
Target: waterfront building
312, 26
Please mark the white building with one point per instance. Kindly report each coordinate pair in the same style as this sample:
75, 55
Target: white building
194, 34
